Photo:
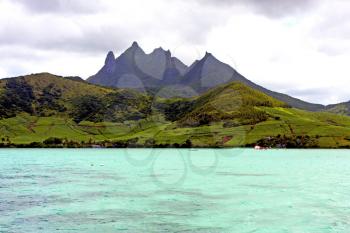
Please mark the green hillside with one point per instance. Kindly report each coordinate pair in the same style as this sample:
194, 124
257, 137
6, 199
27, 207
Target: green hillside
233, 101
68, 86
45, 110
45, 95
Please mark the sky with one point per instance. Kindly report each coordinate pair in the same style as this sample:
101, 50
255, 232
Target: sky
297, 47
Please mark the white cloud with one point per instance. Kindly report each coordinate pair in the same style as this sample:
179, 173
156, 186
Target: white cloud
298, 47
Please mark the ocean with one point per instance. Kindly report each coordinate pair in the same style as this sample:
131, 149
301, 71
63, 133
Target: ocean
174, 190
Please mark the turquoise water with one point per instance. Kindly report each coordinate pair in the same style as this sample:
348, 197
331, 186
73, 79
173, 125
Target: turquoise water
173, 190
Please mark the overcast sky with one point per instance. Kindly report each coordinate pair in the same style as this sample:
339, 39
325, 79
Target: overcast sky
299, 47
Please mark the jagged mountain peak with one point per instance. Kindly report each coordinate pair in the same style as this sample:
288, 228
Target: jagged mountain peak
135, 44
110, 58
109, 66
211, 57
135, 48
207, 54
161, 51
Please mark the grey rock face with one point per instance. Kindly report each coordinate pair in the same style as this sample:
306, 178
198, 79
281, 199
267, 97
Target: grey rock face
152, 70
110, 62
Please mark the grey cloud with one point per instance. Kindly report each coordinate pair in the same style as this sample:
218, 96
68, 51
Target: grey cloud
14, 69
194, 29
92, 41
332, 33
61, 6
310, 91
270, 8
316, 95
14, 53
334, 24
70, 33
294, 89
320, 95
334, 48
52, 37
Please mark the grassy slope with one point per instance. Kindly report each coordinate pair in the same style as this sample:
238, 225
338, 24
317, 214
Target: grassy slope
235, 92
331, 129
25, 129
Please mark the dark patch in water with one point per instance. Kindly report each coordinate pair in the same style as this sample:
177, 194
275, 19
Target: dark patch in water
112, 177
242, 174
266, 186
196, 194
22, 202
111, 194
114, 220
182, 228
158, 175
73, 221
182, 208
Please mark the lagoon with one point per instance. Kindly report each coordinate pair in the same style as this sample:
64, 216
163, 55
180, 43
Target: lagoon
174, 190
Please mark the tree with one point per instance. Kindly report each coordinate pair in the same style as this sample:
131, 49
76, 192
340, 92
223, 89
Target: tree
187, 144
89, 108
53, 141
150, 142
18, 97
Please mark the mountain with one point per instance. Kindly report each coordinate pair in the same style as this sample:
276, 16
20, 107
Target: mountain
138, 70
45, 110
341, 108
210, 72
163, 75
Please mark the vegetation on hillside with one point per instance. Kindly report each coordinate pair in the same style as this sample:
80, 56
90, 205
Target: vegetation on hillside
117, 106
233, 101
16, 97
